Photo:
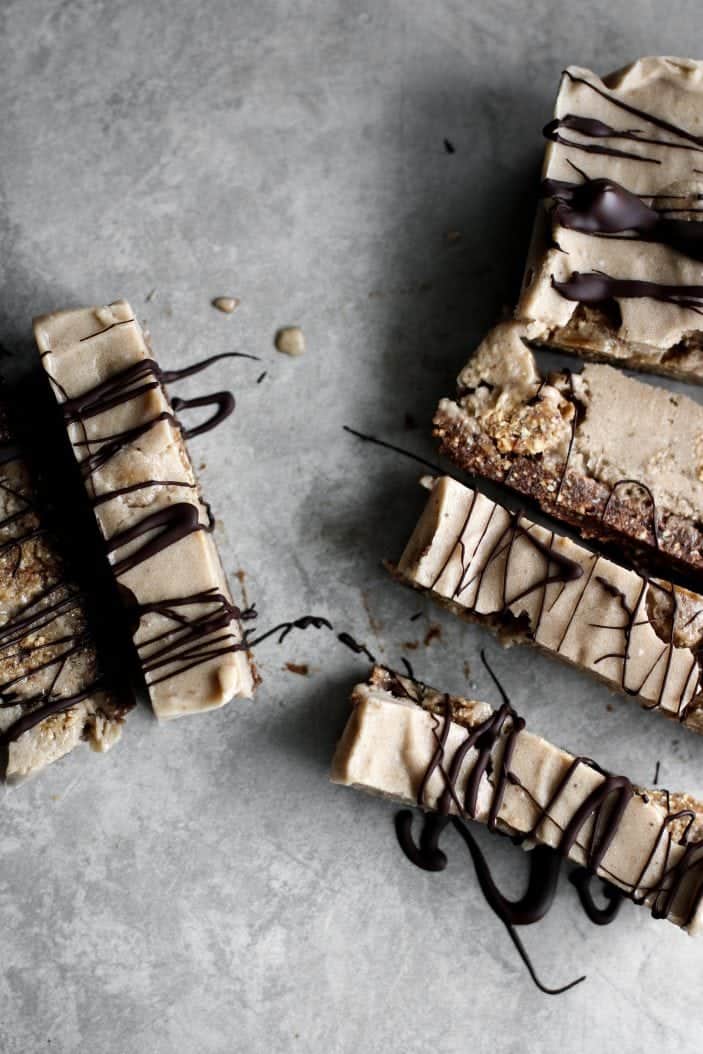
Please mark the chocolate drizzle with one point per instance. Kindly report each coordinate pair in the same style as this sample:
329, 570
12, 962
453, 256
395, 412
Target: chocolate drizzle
482, 762
604, 207
30, 642
594, 287
477, 561
201, 626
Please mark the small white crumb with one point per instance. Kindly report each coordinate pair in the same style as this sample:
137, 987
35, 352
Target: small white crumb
226, 303
290, 340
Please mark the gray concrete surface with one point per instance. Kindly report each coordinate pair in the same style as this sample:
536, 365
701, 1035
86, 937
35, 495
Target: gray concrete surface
203, 889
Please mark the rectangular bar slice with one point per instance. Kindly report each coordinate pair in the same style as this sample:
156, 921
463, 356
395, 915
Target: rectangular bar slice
53, 692
407, 742
619, 459
158, 530
640, 636
615, 267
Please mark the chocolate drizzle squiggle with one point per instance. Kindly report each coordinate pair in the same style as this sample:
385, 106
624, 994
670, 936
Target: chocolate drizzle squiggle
488, 748
200, 626
478, 562
604, 207
29, 631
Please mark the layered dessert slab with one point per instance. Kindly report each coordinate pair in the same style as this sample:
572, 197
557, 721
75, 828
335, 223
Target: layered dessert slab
445, 754
640, 636
54, 693
615, 268
158, 530
621, 460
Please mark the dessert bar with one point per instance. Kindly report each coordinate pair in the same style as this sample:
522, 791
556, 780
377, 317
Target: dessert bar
129, 445
640, 636
614, 270
449, 755
619, 459
53, 691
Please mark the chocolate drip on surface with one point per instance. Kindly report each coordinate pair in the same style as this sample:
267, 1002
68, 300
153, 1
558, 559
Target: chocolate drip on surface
396, 449
223, 401
583, 879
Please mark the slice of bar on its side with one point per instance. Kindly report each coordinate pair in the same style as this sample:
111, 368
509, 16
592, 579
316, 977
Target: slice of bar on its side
407, 742
640, 636
615, 268
158, 530
619, 459
53, 692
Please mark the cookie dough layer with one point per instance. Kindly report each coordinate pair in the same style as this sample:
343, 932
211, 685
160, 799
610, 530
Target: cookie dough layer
157, 528
52, 692
394, 745
615, 267
641, 637
618, 459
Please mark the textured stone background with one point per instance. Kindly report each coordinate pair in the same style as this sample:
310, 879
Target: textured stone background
203, 888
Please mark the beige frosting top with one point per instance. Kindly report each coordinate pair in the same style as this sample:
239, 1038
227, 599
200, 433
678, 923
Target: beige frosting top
663, 161
387, 747
80, 350
638, 637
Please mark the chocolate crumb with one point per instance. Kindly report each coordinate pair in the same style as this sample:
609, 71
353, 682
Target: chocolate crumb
453, 236
300, 668
467, 669
261, 376
411, 645
226, 303
609, 707
416, 616
449, 146
150, 296
290, 341
409, 422
656, 774
433, 633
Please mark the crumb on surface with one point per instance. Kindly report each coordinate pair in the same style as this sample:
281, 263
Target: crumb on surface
433, 633
411, 645
409, 422
227, 304
301, 668
290, 341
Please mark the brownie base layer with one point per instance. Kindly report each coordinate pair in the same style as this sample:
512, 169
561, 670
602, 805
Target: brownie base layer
592, 507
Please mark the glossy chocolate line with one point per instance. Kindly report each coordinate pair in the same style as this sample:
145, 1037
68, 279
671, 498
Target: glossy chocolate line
223, 401
169, 376
658, 122
604, 207
551, 132
99, 332
195, 640
603, 809
596, 288
46, 709
172, 523
119, 492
